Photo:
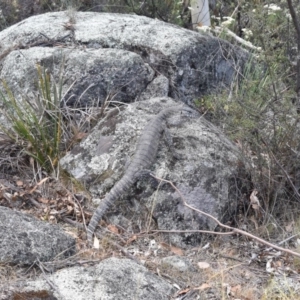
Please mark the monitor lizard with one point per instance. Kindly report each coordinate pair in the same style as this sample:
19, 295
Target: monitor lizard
143, 158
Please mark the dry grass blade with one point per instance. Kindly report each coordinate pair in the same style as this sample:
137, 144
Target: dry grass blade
37, 125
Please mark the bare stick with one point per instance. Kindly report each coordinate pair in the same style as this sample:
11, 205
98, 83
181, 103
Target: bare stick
233, 230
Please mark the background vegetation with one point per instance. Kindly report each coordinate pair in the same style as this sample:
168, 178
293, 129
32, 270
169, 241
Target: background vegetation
261, 113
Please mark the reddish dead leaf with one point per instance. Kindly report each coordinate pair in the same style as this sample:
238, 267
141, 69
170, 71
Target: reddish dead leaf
15, 196
79, 136
203, 286
235, 289
113, 229
231, 252
176, 250
277, 264
43, 200
173, 249
183, 291
166, 246
203, 265
132, 239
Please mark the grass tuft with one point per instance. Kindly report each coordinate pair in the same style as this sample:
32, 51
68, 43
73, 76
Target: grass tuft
38, 124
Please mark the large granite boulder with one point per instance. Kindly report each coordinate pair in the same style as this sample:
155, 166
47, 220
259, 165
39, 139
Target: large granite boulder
203, 174
116, 57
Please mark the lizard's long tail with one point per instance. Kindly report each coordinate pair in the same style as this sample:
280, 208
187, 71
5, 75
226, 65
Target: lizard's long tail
117, 191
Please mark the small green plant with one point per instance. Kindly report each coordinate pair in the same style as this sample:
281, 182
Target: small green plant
37, 124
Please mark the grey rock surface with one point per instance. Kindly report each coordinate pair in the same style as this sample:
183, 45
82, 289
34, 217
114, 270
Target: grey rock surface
159, 87
96, 75
203, 175
116, 56
113, 278
24, 239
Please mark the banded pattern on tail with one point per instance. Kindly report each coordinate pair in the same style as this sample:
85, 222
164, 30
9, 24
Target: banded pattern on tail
143, 158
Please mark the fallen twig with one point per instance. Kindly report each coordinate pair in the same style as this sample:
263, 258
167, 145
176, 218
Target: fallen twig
233, 230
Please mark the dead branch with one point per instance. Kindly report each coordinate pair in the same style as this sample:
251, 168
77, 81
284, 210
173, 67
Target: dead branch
232, 229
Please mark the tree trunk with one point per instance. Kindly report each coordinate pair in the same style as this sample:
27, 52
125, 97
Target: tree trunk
297, 27
200, 13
